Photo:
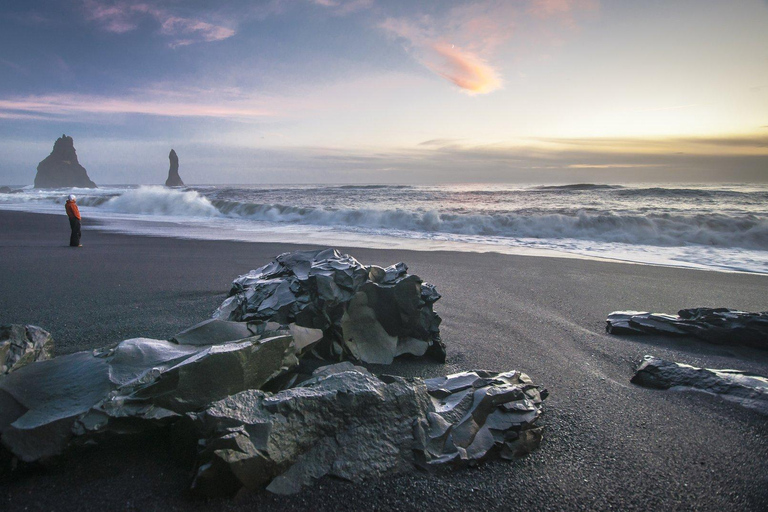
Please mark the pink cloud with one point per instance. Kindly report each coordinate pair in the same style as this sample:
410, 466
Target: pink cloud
124, 16
38, 107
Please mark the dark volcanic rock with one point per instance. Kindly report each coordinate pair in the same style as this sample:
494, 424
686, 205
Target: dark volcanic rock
716, 325
5, 190
174, 180
23, 344
61, 169
137, 385
371, 314
745, 389
349, 424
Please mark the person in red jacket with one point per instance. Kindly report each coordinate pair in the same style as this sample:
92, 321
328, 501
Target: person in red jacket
74, 220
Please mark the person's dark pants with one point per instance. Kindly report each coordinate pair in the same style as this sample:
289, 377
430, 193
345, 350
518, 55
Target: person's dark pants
74, 239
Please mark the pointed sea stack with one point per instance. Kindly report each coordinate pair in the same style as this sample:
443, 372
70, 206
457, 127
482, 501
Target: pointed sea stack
61, 168
174, 180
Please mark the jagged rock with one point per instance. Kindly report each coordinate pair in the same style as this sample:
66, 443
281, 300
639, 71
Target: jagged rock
347, 423
23, 344
61, 169
716, 325
5, 190
139, 384
746, 389
174, 180
369, 314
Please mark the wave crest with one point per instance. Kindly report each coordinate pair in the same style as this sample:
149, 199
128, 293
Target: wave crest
162, 201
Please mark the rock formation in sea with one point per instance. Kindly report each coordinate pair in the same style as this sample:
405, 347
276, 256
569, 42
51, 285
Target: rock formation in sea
721, 326
746, 389
61, 169
174, 180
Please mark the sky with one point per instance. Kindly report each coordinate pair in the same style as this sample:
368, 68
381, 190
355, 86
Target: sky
388, 91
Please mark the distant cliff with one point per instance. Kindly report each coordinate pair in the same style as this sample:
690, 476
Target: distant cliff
174, 180
61, 169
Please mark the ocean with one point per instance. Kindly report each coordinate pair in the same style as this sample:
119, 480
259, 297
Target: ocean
714, 227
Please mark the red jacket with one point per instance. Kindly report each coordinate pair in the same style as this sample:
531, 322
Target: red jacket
72, 211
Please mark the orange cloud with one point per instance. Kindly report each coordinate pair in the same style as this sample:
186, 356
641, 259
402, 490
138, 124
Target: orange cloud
464, 69
461, 44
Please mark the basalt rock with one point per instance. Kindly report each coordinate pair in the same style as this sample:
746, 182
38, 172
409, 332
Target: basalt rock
23, 344
137, 385
746, 389
721, 326
174, 180
366, 313
61, 169
345, 422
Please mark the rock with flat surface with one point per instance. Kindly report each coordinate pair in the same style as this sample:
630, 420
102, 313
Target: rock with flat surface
139, 384
371, 314
23, 344
721, 326
61, 169
746, 389
173, 180
347, 423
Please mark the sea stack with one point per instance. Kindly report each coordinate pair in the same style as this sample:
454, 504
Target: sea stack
174, 180
61, 168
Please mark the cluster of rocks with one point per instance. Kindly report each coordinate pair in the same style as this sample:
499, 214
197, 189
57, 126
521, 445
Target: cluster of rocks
61, 169
746, 389
367, 313
721, 326
236, 393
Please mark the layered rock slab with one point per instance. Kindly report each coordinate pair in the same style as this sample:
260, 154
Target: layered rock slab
746, 389
366, 313
61, 168
347, 423
720, 326
23, 344
139, 384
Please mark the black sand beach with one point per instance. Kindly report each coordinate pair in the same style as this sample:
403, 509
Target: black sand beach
608, 444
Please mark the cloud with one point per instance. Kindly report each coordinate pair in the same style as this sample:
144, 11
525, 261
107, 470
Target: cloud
730, 144
461, 44
75, 106
430, 41
125, 16
344, 7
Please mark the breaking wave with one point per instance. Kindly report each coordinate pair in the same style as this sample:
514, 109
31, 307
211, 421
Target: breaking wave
578, 186
719, 230
161, 201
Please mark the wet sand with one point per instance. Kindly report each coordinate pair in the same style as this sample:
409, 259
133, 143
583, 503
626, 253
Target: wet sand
608, 444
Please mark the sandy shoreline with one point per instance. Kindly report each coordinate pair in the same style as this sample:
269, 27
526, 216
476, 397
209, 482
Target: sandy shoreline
608, 443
